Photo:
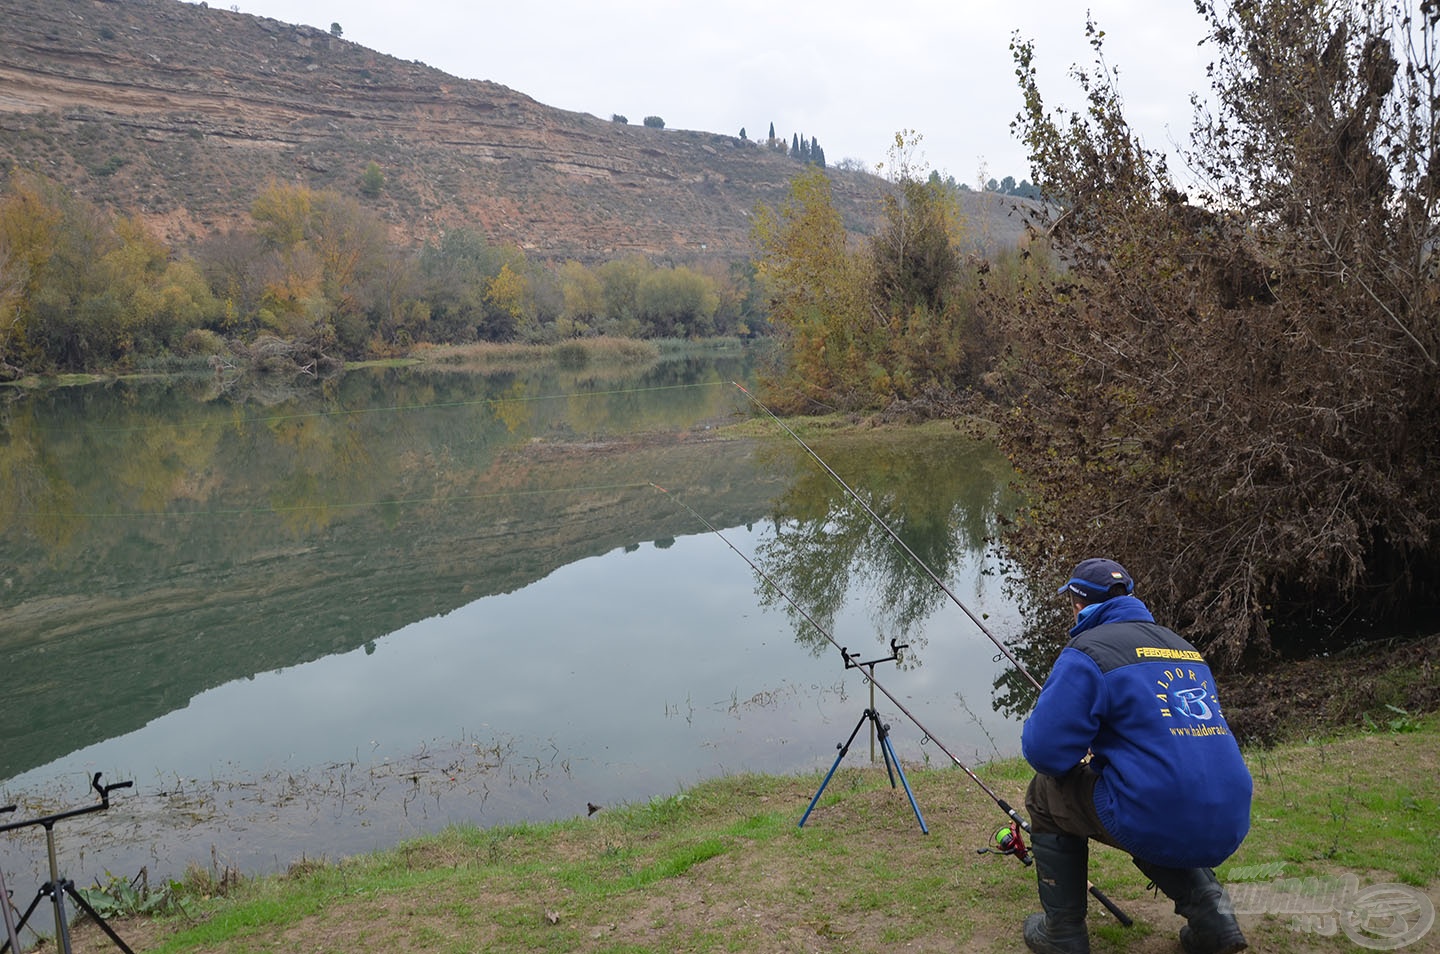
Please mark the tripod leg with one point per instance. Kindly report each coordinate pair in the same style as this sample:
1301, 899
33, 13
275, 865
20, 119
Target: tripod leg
843, 749
12, 936
25, 918
882, 732
95, 916
890, 755
62, 921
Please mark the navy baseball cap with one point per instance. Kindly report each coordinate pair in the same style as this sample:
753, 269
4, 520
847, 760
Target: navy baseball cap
1092, 579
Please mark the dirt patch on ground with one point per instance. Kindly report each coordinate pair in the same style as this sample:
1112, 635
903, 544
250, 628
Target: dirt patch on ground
1378, 685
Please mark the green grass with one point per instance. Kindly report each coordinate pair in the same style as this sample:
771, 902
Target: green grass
725, 867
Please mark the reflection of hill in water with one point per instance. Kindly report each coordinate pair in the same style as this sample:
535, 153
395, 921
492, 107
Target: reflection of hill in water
150, 557
155, 546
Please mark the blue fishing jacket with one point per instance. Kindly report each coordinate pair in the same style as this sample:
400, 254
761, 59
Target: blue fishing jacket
1173, 787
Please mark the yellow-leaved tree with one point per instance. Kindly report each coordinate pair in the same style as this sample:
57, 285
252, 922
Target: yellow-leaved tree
81, 289
815, 286
582, 298
324, 273
508, 292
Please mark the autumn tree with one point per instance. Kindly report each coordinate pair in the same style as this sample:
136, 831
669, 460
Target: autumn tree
322, 267
454, 274
677, 303
867, 326
158, 299
815, 289
30, 218
1236, 391
582, 298
227, 260
507, 295
737, 311
478, 291
83, 289
916, 274
12, 283
620, 280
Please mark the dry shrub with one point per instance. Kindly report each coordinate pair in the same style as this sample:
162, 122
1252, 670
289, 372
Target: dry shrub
1238, 396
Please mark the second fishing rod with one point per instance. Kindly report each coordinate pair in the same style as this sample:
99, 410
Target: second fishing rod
1017, 845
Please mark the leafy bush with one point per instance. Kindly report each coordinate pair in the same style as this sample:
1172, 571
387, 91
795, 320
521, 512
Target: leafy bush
1238, 394
202, 341
119, 898
372, 181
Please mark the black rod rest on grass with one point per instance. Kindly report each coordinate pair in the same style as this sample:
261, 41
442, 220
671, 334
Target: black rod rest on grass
57, 888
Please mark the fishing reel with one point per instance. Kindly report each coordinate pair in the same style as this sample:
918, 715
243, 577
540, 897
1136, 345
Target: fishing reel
1008, 841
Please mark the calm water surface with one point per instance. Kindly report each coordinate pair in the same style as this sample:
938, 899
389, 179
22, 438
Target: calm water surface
317, 621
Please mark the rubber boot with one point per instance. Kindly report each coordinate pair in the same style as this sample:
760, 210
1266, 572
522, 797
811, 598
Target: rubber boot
1061, 869
1202, 902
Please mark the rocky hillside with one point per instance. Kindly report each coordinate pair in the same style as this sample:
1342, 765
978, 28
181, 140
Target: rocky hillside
182, 112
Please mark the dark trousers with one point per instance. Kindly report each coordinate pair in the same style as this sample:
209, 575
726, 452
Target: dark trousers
1066, 806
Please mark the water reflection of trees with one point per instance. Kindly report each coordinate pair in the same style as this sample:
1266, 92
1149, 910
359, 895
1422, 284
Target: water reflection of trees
939, 495
291, 460
187, 537
1044, 628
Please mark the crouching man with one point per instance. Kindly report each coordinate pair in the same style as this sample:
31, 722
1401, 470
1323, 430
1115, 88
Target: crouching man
1130, 748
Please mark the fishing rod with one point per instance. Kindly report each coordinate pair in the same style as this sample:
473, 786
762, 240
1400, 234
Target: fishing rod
875, 518
1006, 841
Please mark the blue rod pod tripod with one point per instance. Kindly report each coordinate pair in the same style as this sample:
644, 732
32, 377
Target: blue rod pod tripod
882, 733
892, 765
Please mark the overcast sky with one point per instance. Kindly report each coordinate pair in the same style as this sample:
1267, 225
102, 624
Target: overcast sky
849, 73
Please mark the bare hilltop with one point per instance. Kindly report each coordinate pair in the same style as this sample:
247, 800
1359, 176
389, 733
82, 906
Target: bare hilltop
181, 113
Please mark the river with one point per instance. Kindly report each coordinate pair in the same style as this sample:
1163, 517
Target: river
316, 619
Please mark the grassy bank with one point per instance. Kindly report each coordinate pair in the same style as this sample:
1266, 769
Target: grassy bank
724, 867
